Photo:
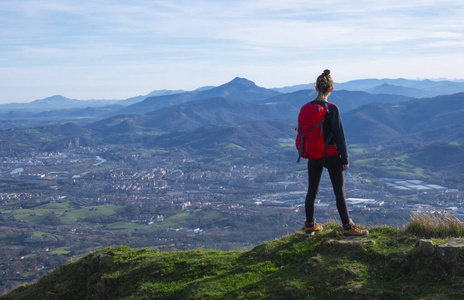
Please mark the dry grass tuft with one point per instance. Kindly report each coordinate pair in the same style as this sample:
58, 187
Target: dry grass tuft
435, 225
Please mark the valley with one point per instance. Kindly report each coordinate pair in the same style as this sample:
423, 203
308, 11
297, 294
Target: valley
214, 172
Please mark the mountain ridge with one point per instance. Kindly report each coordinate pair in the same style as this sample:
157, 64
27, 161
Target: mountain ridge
238, 88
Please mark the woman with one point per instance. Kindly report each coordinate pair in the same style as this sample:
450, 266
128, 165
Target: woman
335, 160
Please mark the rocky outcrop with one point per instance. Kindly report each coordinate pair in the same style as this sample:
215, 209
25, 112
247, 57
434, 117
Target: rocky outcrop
449, 252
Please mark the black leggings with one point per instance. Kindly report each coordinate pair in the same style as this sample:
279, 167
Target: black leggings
334, 166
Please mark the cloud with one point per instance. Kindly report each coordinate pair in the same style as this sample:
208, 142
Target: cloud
269, 41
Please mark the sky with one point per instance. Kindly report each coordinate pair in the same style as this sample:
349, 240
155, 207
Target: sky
116, 49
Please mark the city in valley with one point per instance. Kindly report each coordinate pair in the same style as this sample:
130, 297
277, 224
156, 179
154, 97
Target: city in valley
57, 206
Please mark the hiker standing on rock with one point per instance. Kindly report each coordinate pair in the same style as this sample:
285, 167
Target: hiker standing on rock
321, 140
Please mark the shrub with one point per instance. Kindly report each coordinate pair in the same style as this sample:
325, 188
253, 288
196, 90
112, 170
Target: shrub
435, 225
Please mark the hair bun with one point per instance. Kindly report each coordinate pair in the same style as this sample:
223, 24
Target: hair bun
326, 72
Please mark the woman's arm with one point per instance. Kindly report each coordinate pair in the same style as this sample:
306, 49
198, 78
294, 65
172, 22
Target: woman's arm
338, 134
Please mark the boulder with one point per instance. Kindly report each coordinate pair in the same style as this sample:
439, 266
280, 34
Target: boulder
450, 251
423, 247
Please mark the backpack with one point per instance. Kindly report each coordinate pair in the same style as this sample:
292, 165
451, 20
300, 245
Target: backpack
310, 138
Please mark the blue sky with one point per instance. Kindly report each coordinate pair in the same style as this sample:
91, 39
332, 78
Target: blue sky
115, 49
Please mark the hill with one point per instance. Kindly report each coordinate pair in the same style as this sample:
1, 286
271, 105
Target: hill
212, 111
238, 88
246, 138
389, 264
425, 120
433, 156
44, 138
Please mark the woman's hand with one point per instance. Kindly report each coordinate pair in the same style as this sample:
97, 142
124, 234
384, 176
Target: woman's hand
345, 167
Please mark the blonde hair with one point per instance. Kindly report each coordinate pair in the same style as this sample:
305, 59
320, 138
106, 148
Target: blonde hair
324, 82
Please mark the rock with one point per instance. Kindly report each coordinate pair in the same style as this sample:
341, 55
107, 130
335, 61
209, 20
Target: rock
348, 243
357, 288
338, 230
423, 247
450, 251
51, 295
397, 260
314, 261
102, 257
352, 271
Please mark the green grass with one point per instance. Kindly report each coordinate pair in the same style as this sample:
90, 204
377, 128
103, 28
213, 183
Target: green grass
293, 267
91, 211
396, 167
60, 251
29, 217
37, 215
63, 205
64, 211
286, 142
356, 150
284, 145
122, 225
369, 162
233, 146
188, 219
148, 152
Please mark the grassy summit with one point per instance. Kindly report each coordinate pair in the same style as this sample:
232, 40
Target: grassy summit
324, 266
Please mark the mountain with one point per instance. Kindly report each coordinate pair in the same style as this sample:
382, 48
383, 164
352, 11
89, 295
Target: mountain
212, 111
193, 114
366, 84
250, 137
428, 88
426, 120
45, 138
295, 88
389, 264
291, 103
432, 156
58, 103
397, 90
372, 123
137, 99
124, 129
238, 88
55, 103
400, 86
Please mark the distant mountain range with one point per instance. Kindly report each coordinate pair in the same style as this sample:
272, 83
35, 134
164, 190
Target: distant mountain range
56, 107
56, 102
59, 102
241, 117
224, 111
403, 87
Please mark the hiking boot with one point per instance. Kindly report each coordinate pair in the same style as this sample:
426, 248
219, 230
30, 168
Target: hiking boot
352, 231
311, 228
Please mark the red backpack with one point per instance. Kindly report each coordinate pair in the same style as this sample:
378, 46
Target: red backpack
310, 138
